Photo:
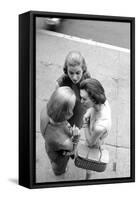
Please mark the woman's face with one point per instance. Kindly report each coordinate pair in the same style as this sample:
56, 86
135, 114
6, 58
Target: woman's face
75, 73
85, 100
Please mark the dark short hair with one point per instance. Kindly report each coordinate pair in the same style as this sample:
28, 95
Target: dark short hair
94, 89
74, 58
58, 106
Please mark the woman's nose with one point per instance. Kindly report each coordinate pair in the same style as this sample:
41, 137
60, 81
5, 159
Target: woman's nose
75, 77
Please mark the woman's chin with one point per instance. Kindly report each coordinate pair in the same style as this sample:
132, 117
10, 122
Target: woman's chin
75, 82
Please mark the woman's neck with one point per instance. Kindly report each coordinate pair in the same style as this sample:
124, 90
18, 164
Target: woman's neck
97, 107
56, 123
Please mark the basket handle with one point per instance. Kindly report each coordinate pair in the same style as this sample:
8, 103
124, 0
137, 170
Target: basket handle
100, 153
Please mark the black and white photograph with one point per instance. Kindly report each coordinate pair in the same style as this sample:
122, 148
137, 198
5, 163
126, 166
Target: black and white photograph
68, 100
83, 99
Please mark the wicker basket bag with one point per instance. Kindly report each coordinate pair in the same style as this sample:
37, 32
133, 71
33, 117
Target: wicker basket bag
95, 159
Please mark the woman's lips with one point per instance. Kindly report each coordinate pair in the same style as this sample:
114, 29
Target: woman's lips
75, 81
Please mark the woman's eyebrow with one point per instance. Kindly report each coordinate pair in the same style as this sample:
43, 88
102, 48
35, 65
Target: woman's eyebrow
75, 72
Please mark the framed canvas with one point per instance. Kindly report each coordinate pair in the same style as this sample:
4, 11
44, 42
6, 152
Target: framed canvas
87, 61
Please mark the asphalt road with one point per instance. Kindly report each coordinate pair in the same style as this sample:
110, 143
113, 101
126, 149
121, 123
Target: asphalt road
113, 33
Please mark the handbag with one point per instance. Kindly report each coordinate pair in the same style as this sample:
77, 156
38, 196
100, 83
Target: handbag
95, 159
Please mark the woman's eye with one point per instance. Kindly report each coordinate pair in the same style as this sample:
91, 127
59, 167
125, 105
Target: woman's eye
71, 73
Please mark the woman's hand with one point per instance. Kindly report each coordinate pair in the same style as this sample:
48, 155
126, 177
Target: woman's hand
87, 115
68, 153
76, 134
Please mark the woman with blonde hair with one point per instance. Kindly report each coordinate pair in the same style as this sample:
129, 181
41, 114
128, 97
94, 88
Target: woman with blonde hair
60, 137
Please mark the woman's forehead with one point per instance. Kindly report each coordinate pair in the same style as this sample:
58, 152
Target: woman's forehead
83, 93
75, 68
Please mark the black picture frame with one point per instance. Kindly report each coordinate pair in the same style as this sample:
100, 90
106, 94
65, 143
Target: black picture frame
27, 99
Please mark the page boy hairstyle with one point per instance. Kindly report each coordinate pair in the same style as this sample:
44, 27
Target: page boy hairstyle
59, 106
94, 89
74, 58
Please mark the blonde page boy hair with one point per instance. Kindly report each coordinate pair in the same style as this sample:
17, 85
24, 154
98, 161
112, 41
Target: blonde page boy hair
61, 103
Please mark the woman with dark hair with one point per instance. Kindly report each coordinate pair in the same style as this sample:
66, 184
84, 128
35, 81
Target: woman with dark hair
97, 119
75, 71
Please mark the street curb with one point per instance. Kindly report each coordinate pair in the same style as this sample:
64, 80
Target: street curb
86, 41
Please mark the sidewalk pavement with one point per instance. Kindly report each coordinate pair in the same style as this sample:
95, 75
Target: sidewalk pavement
111, 66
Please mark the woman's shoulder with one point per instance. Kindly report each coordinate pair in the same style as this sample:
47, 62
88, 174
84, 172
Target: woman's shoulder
44, 119
106, 110
86, 75
63, 80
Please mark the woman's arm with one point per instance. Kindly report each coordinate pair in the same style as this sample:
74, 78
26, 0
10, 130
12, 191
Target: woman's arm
93, 135
93, 132
87, 134
97, 135
71, 144
88, 120
44, 119
68, 145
